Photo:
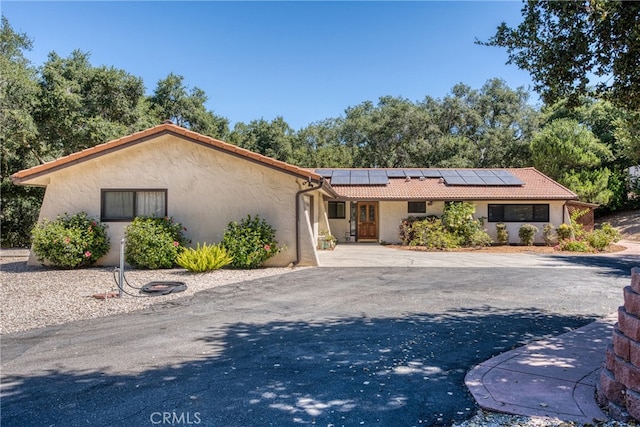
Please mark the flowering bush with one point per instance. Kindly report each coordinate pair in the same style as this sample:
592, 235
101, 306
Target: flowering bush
153, 242
250, 242
70, 241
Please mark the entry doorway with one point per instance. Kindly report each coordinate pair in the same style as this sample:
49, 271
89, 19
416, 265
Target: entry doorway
367, 221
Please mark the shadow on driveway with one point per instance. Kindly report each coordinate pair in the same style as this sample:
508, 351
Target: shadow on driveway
406, 370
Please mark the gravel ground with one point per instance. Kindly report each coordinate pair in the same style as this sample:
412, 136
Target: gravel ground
34, 297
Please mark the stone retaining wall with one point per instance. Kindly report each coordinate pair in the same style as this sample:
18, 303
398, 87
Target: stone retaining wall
619, 389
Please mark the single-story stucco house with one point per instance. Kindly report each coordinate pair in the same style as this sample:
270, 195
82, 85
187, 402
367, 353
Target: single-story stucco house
205, 183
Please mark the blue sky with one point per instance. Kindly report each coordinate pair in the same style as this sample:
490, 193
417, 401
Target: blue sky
304, 61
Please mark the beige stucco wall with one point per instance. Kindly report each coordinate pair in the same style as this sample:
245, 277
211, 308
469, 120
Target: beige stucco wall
393, 212
206, 189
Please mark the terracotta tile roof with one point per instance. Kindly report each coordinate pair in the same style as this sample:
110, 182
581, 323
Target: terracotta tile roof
536, 186
138, 137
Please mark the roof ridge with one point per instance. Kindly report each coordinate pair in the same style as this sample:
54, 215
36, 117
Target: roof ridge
105, 147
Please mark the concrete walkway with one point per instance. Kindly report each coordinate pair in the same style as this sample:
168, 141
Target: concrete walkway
375, 255
553, 378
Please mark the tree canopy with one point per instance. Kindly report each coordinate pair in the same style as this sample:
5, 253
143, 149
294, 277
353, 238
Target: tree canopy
586, 143
564, 44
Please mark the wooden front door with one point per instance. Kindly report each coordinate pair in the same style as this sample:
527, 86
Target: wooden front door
367, 220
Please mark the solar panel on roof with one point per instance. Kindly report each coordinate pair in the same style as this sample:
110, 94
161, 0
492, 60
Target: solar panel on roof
511, 180
502, 173
395, 173
355, 172
413, 173
378, 179
448, 172
359, 180
473, 180
466, 172
340, 179
492, 180
484, 172
324, 172
431, 173
454, 180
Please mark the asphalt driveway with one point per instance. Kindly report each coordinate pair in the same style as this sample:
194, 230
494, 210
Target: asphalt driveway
324, 346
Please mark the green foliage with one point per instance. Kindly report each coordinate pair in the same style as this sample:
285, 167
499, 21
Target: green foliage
70, 241
432, 234
502, 233
456, 228
589, 185
204, 258
575, 239
549, 234
250, 242
527, 234
565, 144
572, 245
407, 231
273, 139
153, 242
82, 105
565, 232
561, 43
172, 100
479, 238
601, 238
19, 146
458, 219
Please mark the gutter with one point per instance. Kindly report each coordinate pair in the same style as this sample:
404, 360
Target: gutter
298, 194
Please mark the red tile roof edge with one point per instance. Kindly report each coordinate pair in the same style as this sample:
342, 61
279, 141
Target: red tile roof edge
89, 153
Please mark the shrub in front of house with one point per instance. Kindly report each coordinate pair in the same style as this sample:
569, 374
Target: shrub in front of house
573, 245
564, 232
601, 238
153, 242
70, 241
432, 233
407, 233
527, 233
502, 233
204, 258
479, 238
549, 235
458, 220
456, 228
250, 242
